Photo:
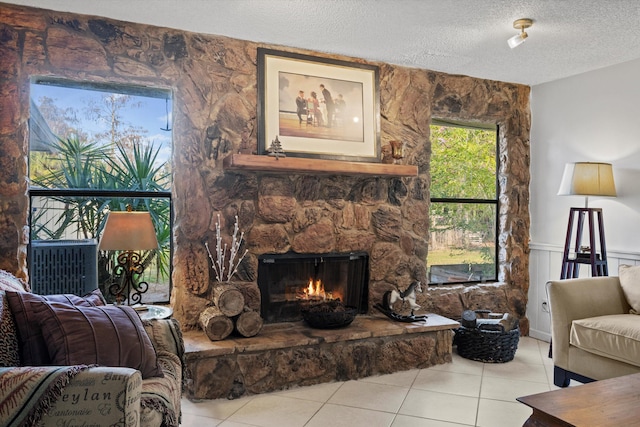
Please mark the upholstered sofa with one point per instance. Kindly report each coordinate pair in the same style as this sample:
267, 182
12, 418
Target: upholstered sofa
60, 394
595, 331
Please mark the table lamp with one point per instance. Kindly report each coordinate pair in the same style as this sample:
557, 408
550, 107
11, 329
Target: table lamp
128, 232
586, 179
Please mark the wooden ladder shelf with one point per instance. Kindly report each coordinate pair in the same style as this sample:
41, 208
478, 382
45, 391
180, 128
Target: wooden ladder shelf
574, 256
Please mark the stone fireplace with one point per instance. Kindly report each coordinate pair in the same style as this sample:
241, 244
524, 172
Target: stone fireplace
289, 353
289, 281
214, 83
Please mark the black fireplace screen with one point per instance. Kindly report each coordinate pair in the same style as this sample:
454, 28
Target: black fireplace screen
287, 281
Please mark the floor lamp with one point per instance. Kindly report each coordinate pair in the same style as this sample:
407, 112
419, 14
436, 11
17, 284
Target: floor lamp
586, 179
128, 232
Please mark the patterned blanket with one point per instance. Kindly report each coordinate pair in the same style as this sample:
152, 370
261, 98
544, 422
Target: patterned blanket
26, 393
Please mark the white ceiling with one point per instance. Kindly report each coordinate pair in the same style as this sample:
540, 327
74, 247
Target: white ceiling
454, 36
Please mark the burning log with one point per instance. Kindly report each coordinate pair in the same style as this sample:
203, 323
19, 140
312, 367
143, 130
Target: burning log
228, 299
248, 323
215, 324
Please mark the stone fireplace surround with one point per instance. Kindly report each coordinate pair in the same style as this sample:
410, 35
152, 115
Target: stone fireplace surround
214, 83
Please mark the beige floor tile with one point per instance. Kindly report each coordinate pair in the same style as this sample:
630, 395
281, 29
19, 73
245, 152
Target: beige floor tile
547, 361
217, 408
379, 397
276, 411
548, 364
517, 370
440, 406
316, 393
460, 365
448, 382
549, 370
229, 424
508, 389
544, 348
190, 420
528, 343
399, 379
407, 421
528, 351
496, 413
344, 416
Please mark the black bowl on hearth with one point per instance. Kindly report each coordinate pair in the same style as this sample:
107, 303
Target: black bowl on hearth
320, 318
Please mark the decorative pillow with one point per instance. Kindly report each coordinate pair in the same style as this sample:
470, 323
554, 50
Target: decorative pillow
629, 276
8, 335
32, 347
110, 335
9, 282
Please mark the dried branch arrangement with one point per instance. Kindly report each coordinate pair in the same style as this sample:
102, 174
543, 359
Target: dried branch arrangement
229, 311
218, 262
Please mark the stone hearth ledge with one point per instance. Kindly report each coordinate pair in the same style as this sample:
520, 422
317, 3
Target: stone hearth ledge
286, 355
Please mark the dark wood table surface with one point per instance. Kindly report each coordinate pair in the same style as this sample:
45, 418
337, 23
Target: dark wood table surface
612, 402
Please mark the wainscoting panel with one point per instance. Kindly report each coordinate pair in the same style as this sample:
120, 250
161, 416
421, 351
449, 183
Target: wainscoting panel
545, 263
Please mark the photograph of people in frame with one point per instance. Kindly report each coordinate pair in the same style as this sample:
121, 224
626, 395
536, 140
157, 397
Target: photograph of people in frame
333, 110
320, 108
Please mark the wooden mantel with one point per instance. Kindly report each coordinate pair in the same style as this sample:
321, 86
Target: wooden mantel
254, 163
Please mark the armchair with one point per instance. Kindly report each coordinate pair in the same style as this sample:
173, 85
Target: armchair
593, 334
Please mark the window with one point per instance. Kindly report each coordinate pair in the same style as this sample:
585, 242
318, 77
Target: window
463, 216
96, 148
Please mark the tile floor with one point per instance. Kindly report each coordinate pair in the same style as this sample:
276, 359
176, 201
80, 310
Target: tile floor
461, 393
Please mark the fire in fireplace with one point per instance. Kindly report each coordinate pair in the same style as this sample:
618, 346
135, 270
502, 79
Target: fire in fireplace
315, 292
289, 281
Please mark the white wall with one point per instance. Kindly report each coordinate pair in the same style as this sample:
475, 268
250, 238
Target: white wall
593, 116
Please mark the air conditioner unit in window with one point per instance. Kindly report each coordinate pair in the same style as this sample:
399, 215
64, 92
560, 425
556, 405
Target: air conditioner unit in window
63, 266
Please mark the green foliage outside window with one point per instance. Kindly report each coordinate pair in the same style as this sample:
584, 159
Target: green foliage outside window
463, 163
86, 166
463, 168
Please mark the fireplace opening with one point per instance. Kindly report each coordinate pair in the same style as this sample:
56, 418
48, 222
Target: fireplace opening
289, 281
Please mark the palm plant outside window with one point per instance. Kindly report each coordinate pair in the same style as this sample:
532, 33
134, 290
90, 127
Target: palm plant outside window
96, 149
463, 214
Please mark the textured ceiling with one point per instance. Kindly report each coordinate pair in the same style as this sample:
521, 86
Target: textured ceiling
456, 36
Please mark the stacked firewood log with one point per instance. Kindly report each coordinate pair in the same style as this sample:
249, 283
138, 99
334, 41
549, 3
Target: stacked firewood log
228, 314
231, 310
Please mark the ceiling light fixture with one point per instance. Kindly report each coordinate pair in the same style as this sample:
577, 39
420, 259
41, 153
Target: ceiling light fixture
518, 39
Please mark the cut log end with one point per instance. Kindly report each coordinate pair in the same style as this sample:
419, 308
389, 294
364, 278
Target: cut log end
249, 323
228, 299
215, 324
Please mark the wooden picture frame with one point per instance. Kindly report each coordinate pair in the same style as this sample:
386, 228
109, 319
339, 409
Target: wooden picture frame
341, 122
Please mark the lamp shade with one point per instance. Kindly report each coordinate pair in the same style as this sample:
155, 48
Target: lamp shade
587, 179
128, 231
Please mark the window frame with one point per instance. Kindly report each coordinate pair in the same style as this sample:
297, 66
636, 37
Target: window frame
495, 202
120, 88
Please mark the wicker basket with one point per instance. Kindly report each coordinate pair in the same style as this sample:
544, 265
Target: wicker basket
486, 346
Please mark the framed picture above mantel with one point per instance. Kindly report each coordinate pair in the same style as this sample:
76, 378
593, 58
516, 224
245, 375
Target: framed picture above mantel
318, 107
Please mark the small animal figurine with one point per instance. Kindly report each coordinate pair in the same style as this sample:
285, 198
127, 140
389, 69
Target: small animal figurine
408, 295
